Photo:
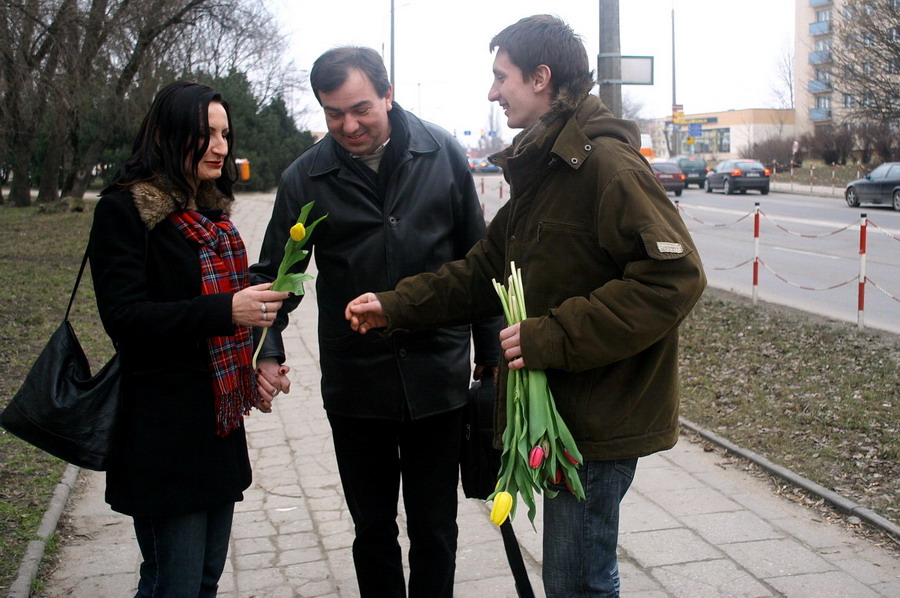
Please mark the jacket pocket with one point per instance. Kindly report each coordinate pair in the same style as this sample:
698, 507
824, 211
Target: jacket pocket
550, 229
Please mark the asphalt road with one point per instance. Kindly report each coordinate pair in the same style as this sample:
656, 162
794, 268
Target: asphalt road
809, 247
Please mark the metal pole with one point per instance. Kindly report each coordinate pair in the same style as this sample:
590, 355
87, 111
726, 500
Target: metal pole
609, 64
676, 130
393, 81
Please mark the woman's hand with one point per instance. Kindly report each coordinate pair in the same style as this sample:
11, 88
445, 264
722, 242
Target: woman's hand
272, 380
256, 305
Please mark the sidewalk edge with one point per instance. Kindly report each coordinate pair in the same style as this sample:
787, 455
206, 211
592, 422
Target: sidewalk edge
34, 554
838, 501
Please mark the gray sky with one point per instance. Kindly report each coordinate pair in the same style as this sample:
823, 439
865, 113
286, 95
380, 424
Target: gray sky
726, 50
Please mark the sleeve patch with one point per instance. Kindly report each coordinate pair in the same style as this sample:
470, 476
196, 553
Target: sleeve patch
667, 247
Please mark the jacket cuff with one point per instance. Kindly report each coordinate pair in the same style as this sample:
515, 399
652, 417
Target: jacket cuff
273, 345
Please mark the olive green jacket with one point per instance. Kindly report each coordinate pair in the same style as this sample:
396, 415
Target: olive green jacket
609, 272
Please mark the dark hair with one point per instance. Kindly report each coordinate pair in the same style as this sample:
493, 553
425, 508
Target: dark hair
545, 39
173, 133
331, 69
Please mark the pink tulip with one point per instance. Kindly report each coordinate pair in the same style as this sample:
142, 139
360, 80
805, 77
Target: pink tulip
536, 457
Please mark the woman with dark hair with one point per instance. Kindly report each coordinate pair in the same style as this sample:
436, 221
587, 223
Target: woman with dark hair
170, 275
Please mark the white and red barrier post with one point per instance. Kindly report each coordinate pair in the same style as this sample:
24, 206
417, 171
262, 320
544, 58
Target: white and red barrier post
861, 300
756, 253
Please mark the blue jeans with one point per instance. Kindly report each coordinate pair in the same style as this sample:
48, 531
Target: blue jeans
184, 555
580, 537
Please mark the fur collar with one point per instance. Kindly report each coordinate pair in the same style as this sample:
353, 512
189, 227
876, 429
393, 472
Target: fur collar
567, 99
154, 202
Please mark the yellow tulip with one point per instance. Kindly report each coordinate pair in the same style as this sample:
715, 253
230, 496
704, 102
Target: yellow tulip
298, 231
503, 502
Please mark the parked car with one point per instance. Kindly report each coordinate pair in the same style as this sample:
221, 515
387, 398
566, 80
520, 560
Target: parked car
482, 165
669, 175
738, 175
694, 169
880, 186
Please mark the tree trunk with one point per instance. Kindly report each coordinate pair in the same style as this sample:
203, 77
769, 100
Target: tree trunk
20, 188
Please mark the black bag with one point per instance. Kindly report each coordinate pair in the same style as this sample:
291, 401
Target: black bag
60, 407
479, 461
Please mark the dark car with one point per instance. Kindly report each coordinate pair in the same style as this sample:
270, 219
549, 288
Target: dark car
880, 186
738, 175
483, 165
694, 169
669, 175
473, 164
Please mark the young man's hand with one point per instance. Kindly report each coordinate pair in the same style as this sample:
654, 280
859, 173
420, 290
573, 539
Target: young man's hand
365, 313
511, 344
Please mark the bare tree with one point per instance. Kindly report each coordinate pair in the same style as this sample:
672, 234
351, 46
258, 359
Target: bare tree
632, 108
72, 71
783, 86
866, 69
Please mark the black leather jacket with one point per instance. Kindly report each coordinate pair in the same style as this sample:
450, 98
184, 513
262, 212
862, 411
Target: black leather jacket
424, 213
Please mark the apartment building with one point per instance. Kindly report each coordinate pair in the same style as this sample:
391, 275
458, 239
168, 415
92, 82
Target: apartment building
820, 59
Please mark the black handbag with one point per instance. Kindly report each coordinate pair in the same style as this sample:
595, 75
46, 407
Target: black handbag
62, 409
479, 465
479, 461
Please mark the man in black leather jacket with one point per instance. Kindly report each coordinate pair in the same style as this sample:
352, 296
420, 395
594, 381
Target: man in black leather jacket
400, 200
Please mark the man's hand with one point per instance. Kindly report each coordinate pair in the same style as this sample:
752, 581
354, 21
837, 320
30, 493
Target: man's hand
271, 378
484, 371
511, 345
365, 313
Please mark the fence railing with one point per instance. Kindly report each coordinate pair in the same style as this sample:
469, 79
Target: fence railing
861, 279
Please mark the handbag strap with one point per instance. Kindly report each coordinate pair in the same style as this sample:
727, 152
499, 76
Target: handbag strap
516, 564
84, 261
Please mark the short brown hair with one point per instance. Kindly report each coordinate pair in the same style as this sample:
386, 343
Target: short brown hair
545, 39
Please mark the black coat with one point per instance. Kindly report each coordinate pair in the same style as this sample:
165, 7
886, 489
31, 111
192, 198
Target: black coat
423, 214
146, 275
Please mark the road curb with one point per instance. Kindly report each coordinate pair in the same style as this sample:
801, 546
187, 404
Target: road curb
34, 553
833, 498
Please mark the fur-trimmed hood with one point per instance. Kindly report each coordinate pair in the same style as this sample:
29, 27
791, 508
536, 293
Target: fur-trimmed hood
154, 202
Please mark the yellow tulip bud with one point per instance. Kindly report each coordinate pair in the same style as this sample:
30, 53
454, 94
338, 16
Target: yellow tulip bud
298, 231
500, 510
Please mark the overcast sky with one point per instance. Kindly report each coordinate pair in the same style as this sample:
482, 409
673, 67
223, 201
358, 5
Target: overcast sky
726, 50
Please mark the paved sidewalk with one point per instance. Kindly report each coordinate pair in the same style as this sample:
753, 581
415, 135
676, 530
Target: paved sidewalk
693, 525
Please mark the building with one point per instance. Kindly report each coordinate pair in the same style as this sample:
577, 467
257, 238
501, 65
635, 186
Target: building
720, 135
814, 42
845, 60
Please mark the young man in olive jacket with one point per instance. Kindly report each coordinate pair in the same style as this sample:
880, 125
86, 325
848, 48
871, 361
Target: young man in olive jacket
609, 272
399, 200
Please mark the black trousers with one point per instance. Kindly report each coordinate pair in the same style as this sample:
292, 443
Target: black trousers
373, 457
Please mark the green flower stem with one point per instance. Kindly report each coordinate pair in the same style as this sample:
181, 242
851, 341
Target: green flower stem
531, 419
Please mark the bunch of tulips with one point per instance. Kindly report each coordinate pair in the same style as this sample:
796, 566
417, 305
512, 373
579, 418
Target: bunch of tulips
292, 282
538, 449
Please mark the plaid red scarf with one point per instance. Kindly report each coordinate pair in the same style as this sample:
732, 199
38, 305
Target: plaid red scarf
223, 265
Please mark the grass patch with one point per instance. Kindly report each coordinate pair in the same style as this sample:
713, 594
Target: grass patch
818, 397
40, 252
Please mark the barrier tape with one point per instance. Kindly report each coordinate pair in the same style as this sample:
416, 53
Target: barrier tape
807, 235
744, 263
882, 231
885, 291
805, 288
695, 219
